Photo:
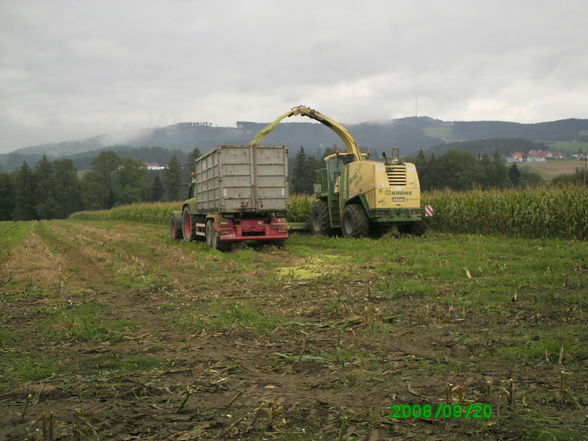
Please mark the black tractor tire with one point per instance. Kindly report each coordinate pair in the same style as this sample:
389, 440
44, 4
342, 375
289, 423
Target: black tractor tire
355, 222
319, 218
187, 225
175, 227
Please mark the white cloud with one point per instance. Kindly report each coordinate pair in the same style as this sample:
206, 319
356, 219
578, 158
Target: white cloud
71, 69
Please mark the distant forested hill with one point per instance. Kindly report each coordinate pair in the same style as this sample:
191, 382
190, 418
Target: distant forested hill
410, 134
562, 130
504, 146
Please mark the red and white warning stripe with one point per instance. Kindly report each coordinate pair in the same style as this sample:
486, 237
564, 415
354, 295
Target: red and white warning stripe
429, 211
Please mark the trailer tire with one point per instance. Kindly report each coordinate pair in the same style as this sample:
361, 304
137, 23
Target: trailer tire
212, 238
355, 222
209, 232
187, 225
319, 218
175, 227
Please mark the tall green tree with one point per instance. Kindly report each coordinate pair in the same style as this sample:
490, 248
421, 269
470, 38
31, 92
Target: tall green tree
514, 175
67, 188
6, 197
456, 170
46, 205
156, 191
499, 172
24, 195
172, 179
194, 154
95, 191
304, 170
106, 164
299, 172
186, 171
132, 182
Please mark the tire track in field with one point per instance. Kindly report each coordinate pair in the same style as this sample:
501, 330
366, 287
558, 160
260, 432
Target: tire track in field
125, 256
201, 258
87, 267
31, 263
194, 271
225, 275
141, 292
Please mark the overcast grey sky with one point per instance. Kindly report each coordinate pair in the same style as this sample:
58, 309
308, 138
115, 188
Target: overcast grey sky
75, 69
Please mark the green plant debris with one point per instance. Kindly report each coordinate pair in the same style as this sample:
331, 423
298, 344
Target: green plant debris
310, 269
86, 322
223, 317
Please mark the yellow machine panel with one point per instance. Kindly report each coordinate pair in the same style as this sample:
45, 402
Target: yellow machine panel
385, 186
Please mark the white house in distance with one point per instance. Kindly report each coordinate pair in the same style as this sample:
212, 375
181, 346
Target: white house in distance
537, 155
154, 166
516, 157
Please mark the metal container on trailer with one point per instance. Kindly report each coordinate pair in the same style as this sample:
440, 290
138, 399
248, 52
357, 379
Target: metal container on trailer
242, 179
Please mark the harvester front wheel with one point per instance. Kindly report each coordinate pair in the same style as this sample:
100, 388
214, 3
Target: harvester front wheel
355, 222
175, 227
319, 218
187, 225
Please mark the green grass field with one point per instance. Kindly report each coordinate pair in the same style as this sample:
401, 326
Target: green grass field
572, 147
120, 333
550, 169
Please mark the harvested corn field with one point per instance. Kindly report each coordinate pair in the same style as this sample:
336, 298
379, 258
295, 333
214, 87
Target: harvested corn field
110, 331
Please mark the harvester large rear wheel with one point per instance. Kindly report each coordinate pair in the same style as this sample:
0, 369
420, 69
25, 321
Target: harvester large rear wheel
187, 225
319, 218
355, 222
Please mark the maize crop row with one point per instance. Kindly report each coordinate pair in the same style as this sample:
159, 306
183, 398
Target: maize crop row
541, 212
535, 212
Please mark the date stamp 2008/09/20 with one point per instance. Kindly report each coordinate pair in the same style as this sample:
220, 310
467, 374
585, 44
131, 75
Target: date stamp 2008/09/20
469, 411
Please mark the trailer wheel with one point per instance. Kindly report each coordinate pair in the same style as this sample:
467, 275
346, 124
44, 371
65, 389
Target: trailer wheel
175, 227
187, 225
355, 222
319, 218
213, 240
209, 232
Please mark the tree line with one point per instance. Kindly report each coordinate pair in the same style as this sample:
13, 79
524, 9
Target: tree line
54, 189
456, 170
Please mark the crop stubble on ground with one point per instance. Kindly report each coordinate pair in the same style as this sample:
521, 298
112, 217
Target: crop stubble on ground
111, 331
